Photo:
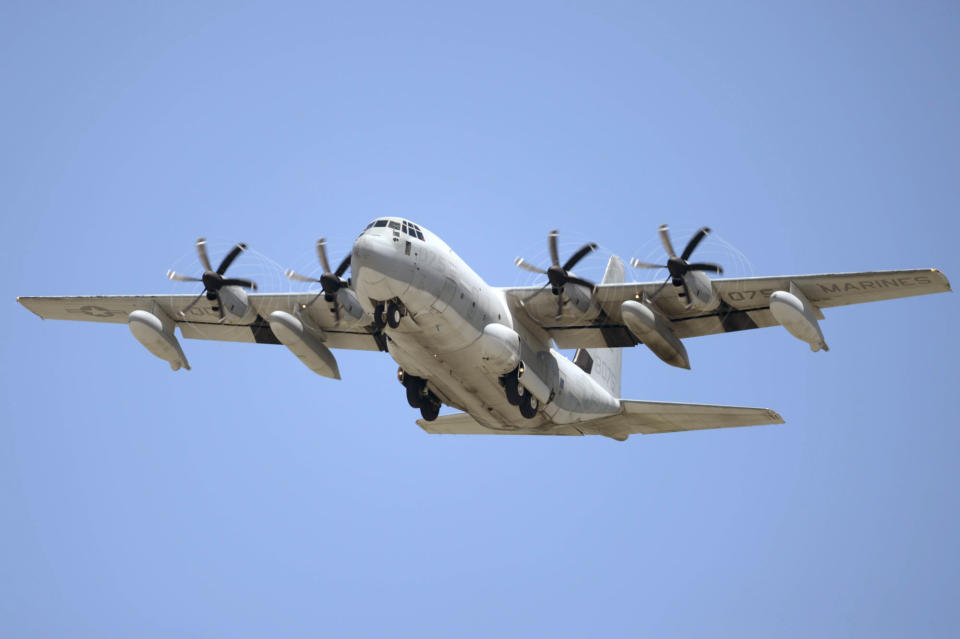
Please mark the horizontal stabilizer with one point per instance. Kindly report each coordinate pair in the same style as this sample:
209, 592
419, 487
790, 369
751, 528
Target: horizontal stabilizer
648, 418
634, 418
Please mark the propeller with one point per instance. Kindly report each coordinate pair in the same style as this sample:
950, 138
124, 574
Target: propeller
679, 266
213, 280
330, 282
558, 276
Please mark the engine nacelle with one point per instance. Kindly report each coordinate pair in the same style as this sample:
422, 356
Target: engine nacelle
157, 336
796, 314
581, 298
235, 301
350, 305
304, 343
647, 327
499, 349
702, 295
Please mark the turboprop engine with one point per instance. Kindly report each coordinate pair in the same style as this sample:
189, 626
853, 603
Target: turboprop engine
696, 287
226, 292
335, 289
563, 283
796, 314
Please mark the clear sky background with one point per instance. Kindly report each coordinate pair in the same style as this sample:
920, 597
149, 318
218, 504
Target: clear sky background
251, 498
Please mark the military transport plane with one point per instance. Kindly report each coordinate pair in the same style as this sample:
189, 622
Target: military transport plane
489, 351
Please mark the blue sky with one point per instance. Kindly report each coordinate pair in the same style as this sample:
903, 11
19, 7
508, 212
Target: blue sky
249, 497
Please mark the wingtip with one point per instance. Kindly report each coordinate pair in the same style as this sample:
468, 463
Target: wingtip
943, 275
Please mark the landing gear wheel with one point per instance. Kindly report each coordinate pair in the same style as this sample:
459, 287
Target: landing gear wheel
393, 315
430, 409
416, 393
529, 405
512, 388
378, 319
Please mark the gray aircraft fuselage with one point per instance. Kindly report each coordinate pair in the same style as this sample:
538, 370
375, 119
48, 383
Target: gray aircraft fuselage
447, 307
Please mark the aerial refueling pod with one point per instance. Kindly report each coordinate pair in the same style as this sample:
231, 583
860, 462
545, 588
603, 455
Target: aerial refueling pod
647, 327
157, 336
499, 349
796, 314
305, 343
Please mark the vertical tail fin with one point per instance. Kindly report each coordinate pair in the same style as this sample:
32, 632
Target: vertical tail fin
607, 362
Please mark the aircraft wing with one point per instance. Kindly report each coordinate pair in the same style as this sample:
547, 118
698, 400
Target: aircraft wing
744, 303
201, 321
635, 417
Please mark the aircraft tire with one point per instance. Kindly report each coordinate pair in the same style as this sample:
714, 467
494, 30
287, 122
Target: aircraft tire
430, 409
393, 315
378, 319
416, 396
529, 405
512, 388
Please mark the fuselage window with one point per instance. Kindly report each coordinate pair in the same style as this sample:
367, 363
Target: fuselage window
380, 223
419, 235
394, 225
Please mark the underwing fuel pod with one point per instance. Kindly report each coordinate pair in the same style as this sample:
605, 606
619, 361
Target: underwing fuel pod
795, 313
304, 343
157, 337
650, 329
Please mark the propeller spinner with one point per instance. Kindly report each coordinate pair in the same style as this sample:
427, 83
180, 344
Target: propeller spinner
679, 266
330, 282
558, 275
214, 280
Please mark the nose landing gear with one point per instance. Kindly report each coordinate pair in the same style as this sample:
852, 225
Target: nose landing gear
387, 314
394, 314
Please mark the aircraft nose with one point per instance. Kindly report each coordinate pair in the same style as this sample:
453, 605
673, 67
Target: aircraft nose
368, 262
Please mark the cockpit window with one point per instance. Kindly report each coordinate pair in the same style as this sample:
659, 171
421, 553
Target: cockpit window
404, 226
412, 230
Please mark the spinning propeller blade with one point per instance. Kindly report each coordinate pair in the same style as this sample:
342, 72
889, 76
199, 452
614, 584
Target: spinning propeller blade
678, 266
212, 280
558, 275
330, 282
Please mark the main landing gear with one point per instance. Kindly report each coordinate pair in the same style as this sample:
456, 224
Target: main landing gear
519, 396
419, 396
388, 314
